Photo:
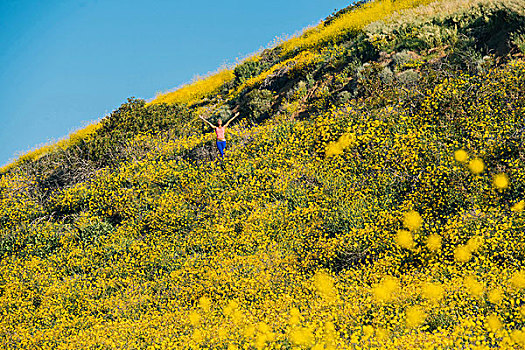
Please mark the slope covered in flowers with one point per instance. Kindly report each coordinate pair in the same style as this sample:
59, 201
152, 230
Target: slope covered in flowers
372, 196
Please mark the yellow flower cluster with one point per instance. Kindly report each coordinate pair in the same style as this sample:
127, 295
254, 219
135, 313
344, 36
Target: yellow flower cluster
352, 21
196, 90
83, 134
360, 227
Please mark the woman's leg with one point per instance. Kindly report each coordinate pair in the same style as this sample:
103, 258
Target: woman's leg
221, 145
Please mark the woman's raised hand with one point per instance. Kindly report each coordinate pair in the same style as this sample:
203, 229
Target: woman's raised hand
200, 116
234, 116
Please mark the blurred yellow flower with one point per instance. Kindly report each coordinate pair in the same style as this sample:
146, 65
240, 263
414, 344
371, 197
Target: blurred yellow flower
412, 220
474, 287
495, 296
230, 308
493, 323
295, 317
385, 290
476, 166
518, 336
263, 327
501, 181
302, 336
415, 316
434, 242
433, 291
474, 243
237, 316
249, 331
333, 149
194, 318
518, 279
405, 239
336, 148
368, 331
461, 155
462, 253
518, 207
324, 284
205, 303
319, 346
382, 334
329, 327
198, 335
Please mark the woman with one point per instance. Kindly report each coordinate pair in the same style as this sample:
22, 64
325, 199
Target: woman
219, 131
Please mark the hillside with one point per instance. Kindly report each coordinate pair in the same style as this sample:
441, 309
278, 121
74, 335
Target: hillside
371, 196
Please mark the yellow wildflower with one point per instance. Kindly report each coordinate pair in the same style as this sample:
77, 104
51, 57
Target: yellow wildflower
518, 207
461, 155
434, 242
462, 253
501, 181
476, 166
433, 291
415, 316
405, 239
412, 220
493, 323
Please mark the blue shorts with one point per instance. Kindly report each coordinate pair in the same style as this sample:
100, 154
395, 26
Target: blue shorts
221, 145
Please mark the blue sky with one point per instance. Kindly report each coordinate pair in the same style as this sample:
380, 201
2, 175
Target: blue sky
65, 63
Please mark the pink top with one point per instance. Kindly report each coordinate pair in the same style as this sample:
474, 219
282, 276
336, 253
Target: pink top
220, 132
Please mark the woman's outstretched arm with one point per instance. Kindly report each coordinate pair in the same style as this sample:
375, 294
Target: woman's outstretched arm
213, 126
228, 122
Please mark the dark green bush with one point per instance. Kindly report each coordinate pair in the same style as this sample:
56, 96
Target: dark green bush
127, 121
408, 77
518, 39
92, 233
256, 104
224, 113
252, 68
492, 29
29, 240
245, 71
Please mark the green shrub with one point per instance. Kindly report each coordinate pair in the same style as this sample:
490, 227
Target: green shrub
408, 77
402, 58
344, 97
252, 68
91, 234
224, 113
465, 57
256, 103
518, 39
297, 92
386, 75
245, 71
